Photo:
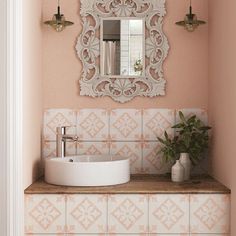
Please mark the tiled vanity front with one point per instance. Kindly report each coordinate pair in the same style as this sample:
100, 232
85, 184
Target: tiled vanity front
148, 205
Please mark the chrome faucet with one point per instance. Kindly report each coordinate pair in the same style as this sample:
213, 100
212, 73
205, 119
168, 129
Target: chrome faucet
62, 137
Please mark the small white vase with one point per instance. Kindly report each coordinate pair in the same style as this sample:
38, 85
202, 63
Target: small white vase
186, 163
177, 172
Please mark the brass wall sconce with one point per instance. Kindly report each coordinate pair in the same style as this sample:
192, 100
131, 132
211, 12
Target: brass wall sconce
190, 22
58, 21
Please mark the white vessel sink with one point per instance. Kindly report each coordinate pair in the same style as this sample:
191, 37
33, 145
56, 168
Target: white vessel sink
86, 170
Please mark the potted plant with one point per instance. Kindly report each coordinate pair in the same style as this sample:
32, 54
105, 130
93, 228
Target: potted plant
138, 67
190, 142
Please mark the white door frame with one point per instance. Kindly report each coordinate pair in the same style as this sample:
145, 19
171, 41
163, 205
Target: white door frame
11, 178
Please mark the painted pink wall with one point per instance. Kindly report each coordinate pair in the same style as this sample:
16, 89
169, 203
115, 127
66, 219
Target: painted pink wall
222, 94
186, 68
32, 89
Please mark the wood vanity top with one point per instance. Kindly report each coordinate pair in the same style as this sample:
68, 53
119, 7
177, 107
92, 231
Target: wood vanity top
138, 184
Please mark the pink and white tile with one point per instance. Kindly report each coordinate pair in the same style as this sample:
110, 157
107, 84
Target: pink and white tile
49, 149
200, 113
92, 124
87, 213
97, 234
54, 118
169, 213
71, 148
153, 163
128, 213
45, 214
132, 150
92, 148
209, 213
45, 235
125, 125
209, 234
173, 235
141, 234
156, 122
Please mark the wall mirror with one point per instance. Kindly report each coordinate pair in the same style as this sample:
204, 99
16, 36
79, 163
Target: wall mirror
122, 48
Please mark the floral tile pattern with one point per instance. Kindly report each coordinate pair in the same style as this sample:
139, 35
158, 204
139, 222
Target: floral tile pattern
176, 235
127, 213
132, 150
87, 213
45, 235
128, 132
125, 125
54, 118
209, 213
49, 149
152, 162
71, 148
44, 213
169, 213
92, 148
127, 234
92, 124
209, 234
97, 234
156, 122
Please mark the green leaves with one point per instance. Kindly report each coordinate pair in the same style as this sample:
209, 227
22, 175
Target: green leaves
181, 116
191, 137
169, 148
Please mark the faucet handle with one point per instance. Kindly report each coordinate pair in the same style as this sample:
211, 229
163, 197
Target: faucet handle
69, 137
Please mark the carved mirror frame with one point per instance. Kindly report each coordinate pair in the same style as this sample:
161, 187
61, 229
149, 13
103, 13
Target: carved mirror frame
156, 49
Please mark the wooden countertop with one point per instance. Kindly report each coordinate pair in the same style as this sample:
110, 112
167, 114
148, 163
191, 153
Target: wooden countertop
138, 184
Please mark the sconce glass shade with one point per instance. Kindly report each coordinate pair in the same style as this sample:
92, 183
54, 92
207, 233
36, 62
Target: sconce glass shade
58, 21
190, 22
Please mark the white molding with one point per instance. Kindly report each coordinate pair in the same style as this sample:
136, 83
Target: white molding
12, 205
156, 49
3, 119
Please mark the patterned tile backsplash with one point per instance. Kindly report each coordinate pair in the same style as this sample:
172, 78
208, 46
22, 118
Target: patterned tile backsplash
127, 214
128, 132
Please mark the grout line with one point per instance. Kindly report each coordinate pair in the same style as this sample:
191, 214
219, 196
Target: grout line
189, 216
103, 141
107, 227
142, 161
148, 210
65, 223
109, 131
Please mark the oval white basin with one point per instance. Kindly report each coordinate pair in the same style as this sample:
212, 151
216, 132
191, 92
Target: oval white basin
87, 170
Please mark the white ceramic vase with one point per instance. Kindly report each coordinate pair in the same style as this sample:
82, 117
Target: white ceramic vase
186, 163
177, 172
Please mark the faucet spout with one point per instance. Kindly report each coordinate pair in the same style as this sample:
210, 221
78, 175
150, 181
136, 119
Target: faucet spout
62, 137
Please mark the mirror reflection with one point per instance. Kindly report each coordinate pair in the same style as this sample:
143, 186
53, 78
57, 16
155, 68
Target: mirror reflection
122, 49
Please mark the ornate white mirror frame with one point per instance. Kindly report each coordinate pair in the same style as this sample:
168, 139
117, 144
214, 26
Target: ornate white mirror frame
156, 49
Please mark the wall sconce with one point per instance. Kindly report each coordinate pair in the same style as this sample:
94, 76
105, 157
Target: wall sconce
190, 22
58, 21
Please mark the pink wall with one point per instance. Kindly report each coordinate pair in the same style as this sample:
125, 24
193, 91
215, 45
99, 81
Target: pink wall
32, 89
186, 68
222, 94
